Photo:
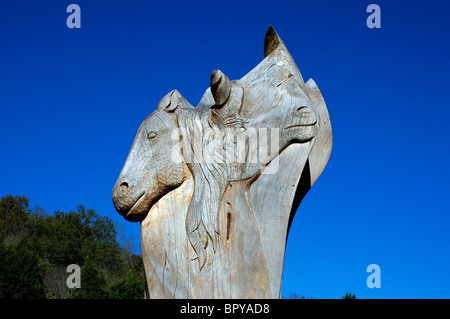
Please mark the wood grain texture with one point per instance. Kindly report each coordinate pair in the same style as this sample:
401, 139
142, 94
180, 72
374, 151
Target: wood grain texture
215, 186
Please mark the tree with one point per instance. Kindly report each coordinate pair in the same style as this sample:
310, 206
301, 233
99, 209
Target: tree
56, 282
13, 215
93, 283
36, 248
349, 296
130, 287
21, 275
294, 295
59, 238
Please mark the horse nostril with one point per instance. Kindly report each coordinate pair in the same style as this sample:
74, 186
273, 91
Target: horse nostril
303, 111
124, 186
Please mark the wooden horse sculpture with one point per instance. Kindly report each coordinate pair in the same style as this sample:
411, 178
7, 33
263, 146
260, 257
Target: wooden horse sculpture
216, 186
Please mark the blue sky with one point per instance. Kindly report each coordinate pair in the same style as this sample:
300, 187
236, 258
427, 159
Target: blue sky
71, 102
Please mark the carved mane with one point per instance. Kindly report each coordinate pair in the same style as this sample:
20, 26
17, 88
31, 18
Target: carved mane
210, 179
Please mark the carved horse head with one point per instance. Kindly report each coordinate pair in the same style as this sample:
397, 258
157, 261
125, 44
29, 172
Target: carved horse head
148, 173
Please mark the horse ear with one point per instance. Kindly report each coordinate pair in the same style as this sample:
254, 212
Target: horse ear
276, 52
172, 101
220, 87
271, 41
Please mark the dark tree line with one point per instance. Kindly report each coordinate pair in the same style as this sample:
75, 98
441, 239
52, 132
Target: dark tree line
36, 248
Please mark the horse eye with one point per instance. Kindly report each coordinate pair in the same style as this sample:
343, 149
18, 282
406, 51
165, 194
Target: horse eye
151, 135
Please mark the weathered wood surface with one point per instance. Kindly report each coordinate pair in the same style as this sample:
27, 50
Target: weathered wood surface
216, 186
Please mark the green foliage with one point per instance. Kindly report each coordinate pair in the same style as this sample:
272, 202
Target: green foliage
130, 287
349, 296
294, 295
36, 248
72, 237
13, 215
93, 283
21, 275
